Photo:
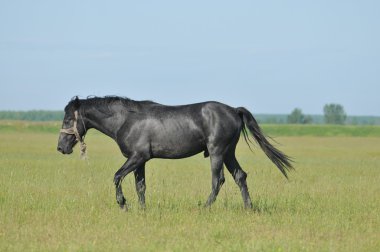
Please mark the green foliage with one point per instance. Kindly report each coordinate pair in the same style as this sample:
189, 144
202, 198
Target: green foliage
51, 202
271, 118
297, 117
334, 114
33, 115
317, 119
363, 120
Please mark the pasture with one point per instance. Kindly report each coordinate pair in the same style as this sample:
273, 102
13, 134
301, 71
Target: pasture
49, 201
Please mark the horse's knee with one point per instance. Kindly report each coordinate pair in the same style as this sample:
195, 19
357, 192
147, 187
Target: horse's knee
117, 180
222, 180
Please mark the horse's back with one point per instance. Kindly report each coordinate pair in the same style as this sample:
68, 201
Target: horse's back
210, 116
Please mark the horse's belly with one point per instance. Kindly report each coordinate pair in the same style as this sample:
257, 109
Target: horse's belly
177, 146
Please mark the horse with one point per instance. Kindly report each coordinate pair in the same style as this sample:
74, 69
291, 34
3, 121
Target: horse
145, 130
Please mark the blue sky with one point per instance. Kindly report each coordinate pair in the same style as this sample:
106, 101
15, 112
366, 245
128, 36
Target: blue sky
269, 56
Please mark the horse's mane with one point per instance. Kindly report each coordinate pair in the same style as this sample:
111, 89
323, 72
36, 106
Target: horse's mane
112, 99
107, 101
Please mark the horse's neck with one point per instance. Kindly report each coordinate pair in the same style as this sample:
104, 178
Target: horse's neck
107, 123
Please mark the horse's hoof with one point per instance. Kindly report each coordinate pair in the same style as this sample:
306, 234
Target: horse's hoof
207, 206
248, 206
124, 207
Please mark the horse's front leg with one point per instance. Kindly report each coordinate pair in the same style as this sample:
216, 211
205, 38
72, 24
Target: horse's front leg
140, 184
130, 165
120, 197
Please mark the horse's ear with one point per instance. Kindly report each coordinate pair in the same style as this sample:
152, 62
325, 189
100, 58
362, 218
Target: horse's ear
76, 102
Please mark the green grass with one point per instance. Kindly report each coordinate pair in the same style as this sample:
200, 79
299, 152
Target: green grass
49, 201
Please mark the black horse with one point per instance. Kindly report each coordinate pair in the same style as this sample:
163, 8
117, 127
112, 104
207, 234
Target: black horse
145, 130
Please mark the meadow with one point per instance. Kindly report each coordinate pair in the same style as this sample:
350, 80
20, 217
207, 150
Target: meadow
52, 202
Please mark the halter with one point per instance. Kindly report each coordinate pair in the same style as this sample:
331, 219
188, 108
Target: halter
74, 131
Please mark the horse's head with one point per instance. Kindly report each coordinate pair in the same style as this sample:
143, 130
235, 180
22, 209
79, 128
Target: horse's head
73, 128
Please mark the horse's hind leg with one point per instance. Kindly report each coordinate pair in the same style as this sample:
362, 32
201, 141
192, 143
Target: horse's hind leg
140, 184
239, 176
217, 178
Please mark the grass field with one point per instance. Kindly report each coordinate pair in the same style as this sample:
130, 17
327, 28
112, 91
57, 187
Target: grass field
49, 201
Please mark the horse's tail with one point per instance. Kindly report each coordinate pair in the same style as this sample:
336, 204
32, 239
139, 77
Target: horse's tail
282, 161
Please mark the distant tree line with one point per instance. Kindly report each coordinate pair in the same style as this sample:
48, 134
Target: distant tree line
317, 119
33, 115
297, 117
332, 114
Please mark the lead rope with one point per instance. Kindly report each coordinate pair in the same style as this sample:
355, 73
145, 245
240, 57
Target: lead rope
83, 146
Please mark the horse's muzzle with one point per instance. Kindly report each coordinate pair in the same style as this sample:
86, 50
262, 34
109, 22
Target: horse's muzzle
60, 149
